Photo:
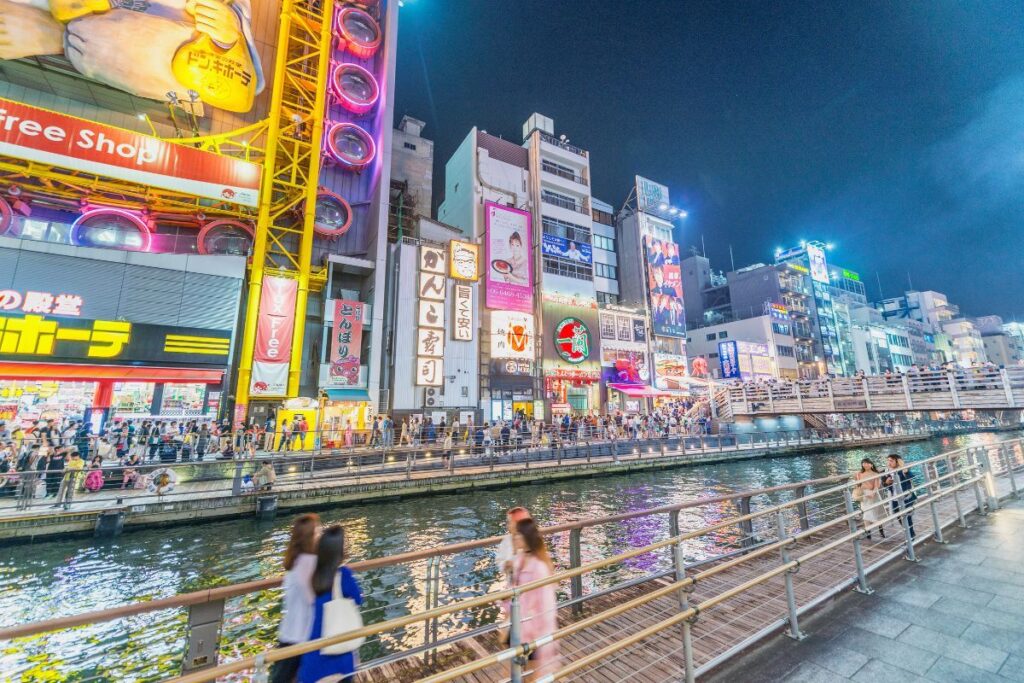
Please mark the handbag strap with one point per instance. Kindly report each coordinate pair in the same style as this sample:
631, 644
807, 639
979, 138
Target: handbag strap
336, 593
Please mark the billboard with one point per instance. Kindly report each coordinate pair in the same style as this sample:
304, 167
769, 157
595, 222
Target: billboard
816, 259
464, 260
512, 335
570, 338
650, 195
669, 371
462, 313
509, 269
665, 287
275, 324
159, 51
728, 360
346, 343
47, 137
580, 252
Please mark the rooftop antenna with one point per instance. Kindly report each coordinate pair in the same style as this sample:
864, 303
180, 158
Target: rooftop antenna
910, 283
879, 280
732, 261
703, 249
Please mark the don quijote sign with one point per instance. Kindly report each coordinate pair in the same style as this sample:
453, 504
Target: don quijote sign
47, 137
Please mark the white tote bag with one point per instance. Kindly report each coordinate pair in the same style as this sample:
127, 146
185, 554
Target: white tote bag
341, 615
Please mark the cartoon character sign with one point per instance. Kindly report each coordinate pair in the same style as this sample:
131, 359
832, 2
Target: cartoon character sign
157, 49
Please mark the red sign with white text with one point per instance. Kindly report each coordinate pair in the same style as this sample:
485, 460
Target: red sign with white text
275, 326
47, 137
346, 341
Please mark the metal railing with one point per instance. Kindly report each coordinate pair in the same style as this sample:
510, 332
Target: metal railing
816, 518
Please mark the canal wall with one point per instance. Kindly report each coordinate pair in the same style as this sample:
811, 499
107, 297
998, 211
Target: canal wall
313, 494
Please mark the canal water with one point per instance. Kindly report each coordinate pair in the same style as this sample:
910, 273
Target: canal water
55, 578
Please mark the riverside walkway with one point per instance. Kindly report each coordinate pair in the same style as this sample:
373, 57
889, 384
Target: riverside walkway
212, 489
689, 588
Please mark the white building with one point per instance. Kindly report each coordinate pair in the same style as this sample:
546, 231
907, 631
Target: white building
965, 339
772, 333
412, 164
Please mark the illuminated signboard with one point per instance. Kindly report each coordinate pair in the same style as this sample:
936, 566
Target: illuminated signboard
430, 332
650, 195
275, 325
669, 371
850, 275
818, 267
572, 340
508, 278
346, 343
728, 361
462, 313
665, 288
512, 335
37, 338
580, 252
45, 303
463, 260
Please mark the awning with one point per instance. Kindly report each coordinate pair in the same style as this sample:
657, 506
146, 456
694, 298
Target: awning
134, 373
637, 390
351, 395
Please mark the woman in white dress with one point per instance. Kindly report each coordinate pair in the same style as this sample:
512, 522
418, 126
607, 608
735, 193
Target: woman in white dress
868, 492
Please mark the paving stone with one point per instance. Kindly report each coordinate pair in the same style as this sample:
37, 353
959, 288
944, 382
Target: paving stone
881, 624
997, 574
838, 659
876, 671
979, 613
993, 586
950, 671
903, 655
809, 672
972, 654
948, 590
940, 621
909, 595
1013, 669
1004, 604
1000, 638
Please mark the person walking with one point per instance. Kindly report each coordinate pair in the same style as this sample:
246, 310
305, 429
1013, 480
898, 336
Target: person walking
55, 473
297, 603
72, 478
349, 436
868, 494
329, 558
286, 437
903, 496
507, 547
447, 445
538, 608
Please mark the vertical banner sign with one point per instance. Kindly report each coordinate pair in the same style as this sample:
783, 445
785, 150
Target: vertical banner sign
816, 260
665, 288
728, 360
508, 272
462, 313
275, 326
430, 332
346, 343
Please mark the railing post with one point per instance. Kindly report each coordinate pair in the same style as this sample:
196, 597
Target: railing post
428, 598
515, 639
202, 635
801, 508
575, 560
930, 475
799, 398
261, 673
1008, 460
1007, 388
858, 557
906, 392
951, 379
746, 526
683, 595
972, 458
898, 503
961, 520
867, 393
236, 483
990, 483
794, 625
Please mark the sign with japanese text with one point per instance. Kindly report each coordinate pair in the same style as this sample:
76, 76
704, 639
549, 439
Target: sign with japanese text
669, 371
559, 247
44, 303
431, 314
728, 360
508, 278
512, 335
275, 326
572, 340
431, 260
650, 195
816, 261
464, 260
462, 313
47, 137
429, 371
346, 343
429, 342
38, 338
665, 288
433, 287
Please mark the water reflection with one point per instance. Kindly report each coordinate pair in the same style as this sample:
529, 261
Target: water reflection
46, 580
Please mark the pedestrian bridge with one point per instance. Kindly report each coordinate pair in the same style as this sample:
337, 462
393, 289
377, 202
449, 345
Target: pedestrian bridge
663, 594
942, 390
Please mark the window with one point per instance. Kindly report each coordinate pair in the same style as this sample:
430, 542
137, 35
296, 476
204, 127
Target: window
710, 337
570, 231
780, 328
409, 145
602, 242
559, 200
784, 351
607, 298
603, 217
723, 335
557, 266
605, 270
560, 170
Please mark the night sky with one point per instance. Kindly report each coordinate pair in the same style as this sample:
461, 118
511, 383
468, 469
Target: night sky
894, 130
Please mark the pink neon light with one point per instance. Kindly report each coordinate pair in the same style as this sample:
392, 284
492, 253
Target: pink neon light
354, 44
349, 102
6, 216
328, 230
347, 160
137, 222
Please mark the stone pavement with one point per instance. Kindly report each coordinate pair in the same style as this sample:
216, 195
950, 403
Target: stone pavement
957, 615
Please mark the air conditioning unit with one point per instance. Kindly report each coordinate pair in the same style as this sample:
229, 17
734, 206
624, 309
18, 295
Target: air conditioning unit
432, 391
431, 401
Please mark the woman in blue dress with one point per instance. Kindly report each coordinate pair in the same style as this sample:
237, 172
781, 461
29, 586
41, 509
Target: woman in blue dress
315, 666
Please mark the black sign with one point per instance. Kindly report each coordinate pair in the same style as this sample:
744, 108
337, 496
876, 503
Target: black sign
106, 342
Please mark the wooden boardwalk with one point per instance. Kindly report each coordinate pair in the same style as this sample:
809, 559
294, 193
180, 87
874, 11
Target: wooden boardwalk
716, 631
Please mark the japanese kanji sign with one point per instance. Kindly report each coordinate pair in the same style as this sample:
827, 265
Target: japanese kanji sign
430, 342
274, 329
462, 313
39, 338
429, 372
45, 303
430, 332
346, 343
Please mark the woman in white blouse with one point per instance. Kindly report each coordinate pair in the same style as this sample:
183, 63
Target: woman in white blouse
297, 608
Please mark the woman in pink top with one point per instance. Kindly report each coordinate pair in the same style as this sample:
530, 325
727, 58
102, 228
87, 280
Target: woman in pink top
537, 607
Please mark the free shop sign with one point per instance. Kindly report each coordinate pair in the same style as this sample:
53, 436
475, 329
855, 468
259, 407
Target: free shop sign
47, 137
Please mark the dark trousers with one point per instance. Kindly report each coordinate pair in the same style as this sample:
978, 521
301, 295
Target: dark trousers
285, 670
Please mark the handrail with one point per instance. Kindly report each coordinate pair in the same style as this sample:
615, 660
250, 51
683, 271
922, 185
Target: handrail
277, 654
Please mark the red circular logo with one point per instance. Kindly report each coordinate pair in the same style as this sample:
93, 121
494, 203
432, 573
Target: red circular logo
572, 340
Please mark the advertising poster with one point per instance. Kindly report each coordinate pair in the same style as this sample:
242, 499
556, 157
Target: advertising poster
512, 335
346, 343
669, 371
728, 360
665, 286
753, 359
47, 137
650, 195
274, 327
158, 51
570, 338
580, 252
819, 269
509, 271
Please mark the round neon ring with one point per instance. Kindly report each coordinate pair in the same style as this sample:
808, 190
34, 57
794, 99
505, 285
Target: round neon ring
81, 225
333, 215
357, 32
355, 88
6, 216
350, 145
209, 230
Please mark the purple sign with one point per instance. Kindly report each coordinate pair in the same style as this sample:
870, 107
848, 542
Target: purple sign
508, 271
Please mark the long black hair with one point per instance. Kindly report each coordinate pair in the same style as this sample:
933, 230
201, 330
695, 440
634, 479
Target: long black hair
871, 462
330, 554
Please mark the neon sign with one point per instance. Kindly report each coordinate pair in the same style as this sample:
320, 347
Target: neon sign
40, 302
572, 340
